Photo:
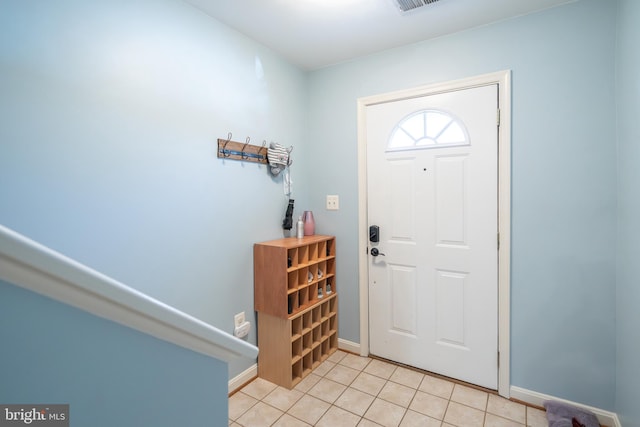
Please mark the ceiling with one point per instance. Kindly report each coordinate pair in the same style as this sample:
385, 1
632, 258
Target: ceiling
316, 33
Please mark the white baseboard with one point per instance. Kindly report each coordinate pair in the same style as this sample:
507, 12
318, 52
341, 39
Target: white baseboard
534, 398
349, 346
244, 377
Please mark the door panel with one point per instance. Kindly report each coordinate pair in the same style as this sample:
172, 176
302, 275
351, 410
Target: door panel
402, 204
451, 212
450, 289
403, 299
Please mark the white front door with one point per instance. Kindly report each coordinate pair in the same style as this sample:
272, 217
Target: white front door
432, 177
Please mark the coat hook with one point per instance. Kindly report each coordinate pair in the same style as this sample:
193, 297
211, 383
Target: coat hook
225, 153
243, 155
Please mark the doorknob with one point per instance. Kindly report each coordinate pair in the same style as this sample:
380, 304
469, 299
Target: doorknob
376, 252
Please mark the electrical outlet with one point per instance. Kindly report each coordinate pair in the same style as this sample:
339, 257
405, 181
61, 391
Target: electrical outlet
238, 319
333, 202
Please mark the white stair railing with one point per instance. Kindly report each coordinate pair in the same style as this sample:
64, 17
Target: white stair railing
30, 265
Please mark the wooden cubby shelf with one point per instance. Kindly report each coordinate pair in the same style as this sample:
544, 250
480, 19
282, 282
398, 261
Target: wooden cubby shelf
296, 299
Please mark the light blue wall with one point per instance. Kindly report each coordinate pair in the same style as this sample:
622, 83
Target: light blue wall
110, 375
628, 292
109, 117
110, 111
563, 181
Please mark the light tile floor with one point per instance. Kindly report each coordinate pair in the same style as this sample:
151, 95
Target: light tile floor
349, 390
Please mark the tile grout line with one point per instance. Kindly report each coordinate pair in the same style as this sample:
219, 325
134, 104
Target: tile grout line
387, 380
348, 386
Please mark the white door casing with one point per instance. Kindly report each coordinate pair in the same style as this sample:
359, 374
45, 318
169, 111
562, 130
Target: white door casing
449, 281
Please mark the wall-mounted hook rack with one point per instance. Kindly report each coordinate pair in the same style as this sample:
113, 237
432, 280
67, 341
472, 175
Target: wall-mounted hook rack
228, 149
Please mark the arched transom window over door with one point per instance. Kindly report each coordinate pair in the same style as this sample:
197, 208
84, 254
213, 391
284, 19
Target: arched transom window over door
428, 129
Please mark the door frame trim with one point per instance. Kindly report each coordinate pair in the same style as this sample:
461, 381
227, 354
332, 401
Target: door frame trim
503, 80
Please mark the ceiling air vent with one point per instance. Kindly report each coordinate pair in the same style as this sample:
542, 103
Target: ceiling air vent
406, 5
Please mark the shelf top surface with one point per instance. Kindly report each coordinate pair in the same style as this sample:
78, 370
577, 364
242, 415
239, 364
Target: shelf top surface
311, 306
294, 242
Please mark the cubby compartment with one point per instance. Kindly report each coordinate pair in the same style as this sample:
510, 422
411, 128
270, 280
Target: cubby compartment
321, 270
324, 308
333, 342
333, 305
296, 371
296, 349
317, 335
296, 328
307, 340
317, 356
333, 321
328, 287
325, 346
292, 280
325, 328
313, 294
320, 289
331, 267
303, 255
307, 363
292, 303
292, 258
316, 316
307, 323
322, 249
313, 273
295, 338
303, 297
330, 249
303, 276
313, 252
